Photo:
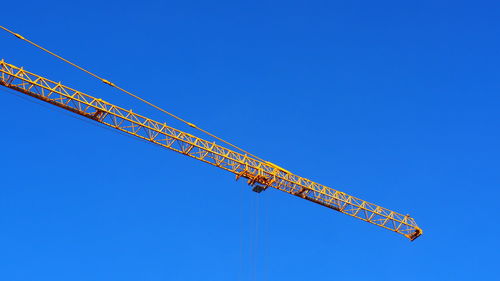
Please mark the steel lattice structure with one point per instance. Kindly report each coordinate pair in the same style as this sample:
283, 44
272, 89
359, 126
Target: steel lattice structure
260, 174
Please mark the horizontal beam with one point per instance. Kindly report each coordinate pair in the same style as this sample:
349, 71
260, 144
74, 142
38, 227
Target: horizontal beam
257, 172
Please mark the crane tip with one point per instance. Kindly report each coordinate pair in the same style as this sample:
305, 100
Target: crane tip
416, 234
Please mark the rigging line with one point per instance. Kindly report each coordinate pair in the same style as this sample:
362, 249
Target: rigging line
129, 93
256, 252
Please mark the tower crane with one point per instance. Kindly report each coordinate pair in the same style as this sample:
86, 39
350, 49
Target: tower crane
259, 174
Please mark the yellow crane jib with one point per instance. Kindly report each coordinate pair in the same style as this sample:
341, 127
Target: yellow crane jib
260, 174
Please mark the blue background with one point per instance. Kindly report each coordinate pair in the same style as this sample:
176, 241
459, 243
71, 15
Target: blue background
396, 103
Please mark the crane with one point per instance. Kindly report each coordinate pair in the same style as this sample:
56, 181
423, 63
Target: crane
259, 174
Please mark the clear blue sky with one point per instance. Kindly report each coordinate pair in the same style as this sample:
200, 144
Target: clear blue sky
396, 103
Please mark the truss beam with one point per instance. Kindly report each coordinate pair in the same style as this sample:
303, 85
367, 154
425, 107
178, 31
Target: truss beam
259, 173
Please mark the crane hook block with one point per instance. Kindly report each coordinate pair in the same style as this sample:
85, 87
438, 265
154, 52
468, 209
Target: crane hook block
259, 188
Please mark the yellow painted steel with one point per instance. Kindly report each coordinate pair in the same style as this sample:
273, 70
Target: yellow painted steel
107, 82
260, 174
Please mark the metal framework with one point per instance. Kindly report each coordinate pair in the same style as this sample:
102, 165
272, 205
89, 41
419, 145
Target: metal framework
260, 174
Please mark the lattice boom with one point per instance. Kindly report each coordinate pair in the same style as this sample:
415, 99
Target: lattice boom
257, 172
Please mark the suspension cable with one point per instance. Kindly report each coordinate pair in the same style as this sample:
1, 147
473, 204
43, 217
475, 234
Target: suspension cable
129, 93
